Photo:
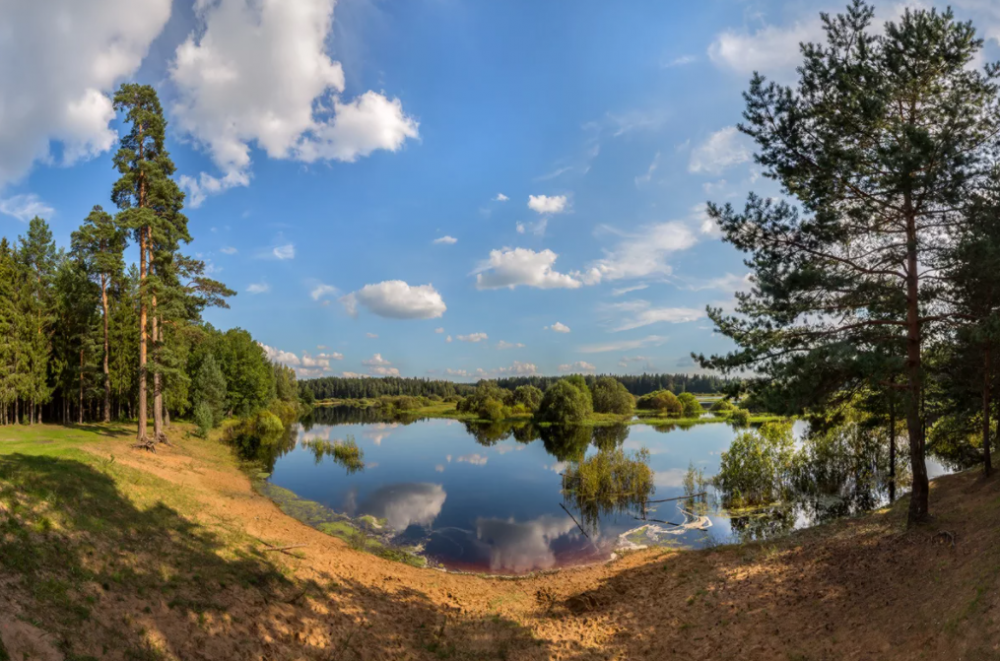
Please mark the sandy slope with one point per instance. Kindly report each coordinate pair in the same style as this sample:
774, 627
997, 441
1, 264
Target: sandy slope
859, 589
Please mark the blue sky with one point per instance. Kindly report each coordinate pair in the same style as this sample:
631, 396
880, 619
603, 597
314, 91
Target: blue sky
439, 188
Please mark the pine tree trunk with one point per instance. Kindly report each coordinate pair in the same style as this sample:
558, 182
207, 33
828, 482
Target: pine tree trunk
892, 446
107, 371
142, 405
80, 415
158, 434
919, 495
987, 460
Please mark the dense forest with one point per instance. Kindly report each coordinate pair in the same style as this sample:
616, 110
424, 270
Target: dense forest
335, 387
83, 338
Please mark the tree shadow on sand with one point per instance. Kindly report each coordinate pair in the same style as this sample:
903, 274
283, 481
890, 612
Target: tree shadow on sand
110, 578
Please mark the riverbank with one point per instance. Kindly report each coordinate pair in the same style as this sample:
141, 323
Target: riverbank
449, 410
111, 553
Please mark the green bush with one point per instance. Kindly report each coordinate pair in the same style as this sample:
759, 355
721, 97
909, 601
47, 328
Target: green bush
565, 403
492, 410
608, 482
663, 402
204, 418
759, 466
610, 396
740, 418
690, 405
528, 396
722, 406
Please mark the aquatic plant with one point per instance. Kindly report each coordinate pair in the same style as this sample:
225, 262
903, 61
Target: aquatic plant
608, 482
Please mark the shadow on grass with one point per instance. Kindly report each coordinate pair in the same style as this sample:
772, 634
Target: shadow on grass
108, 579
103, 429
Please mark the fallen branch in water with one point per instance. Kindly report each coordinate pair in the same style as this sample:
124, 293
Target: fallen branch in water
642, 518
667, 500
575, 521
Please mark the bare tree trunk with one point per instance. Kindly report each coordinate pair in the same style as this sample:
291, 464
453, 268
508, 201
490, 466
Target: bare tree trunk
987, 459
919, 495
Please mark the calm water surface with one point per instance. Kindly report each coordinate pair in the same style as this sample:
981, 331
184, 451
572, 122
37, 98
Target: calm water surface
489, 498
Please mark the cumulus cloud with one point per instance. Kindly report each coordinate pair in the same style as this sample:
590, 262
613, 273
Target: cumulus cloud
376, 360
448, 339
228, 250
623, 345
258, 73
473, 337
395, 299
24, 207
60, 61
636, 314
509, 345
774, 51
511, 267
280, 356
641, 253
474, 459
439, 330
500, 198
321, 291
537, 228
385, 371
305, 366
517, 368
578, 366
722, 150
258, 288
546, 204
447, 240
557, 327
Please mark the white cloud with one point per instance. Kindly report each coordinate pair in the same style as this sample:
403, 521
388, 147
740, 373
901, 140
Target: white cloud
449, 240
636, 314
680, 61
645, 178
625, 290
259, 73
509, 345
729, 283
578, 366
371, 336
353, 375
448, 339
510, 267
259, 288
24, 207
439, 330
333, 355
385, 371
286, 251
518, 368
406, 504
546, 204
641, 254
228, 250
500, 198
557, 328
624, 345
723, 149
376, 360
396, 299
771, 50
537, 228
713, 187
279, 356
321, 290
473, 337
60, 60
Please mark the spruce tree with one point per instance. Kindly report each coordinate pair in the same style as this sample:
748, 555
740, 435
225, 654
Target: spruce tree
880, 142
38, 255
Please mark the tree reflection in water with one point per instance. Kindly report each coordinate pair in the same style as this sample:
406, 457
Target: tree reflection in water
609, 482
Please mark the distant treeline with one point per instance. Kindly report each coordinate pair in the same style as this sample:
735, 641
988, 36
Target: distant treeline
335, 387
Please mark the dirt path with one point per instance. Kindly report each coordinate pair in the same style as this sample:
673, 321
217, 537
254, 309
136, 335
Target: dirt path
858, 589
